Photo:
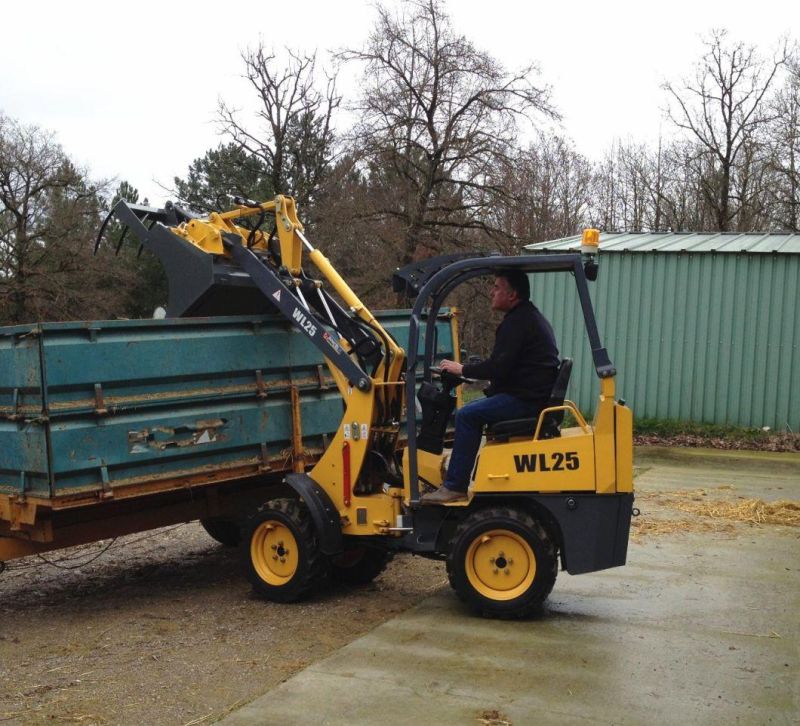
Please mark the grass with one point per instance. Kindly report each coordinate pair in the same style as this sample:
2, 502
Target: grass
669, 432
470, 394
670, 427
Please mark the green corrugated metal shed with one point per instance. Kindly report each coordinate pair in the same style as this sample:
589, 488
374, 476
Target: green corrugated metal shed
702, 327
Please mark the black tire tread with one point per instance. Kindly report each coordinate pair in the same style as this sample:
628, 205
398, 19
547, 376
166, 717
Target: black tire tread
314, 569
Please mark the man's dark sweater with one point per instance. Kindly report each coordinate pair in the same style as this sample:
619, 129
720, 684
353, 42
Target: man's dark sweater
524, 361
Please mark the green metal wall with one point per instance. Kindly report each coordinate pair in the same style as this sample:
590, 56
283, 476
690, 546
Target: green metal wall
695, 337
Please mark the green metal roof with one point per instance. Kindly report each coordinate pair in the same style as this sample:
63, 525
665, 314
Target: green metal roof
728, 242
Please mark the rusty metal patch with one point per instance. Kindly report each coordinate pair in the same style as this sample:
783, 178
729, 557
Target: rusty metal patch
160, 438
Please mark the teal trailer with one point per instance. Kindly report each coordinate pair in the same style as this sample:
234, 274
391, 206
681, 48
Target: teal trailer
113, 427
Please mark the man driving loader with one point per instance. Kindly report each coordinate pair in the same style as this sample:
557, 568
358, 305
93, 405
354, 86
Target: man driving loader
521, 369
538, 497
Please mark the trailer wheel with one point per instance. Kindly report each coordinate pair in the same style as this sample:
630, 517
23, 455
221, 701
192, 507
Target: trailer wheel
225, 531
502, 563
280, 551
359, 564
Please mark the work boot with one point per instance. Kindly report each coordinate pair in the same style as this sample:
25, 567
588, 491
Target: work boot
443, 495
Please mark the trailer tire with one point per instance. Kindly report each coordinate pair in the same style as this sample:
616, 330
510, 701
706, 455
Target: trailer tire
280, 552
225, 531
359, 564
502, 563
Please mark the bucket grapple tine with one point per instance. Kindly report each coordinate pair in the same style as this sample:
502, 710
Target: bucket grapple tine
103, 230
121, 241
133, 217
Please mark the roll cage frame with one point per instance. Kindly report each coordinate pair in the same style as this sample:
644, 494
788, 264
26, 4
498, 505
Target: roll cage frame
435, 283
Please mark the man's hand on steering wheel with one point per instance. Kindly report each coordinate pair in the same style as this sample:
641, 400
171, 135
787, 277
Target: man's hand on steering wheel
450, 366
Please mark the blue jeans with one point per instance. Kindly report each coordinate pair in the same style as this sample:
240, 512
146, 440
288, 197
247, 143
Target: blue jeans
470, 420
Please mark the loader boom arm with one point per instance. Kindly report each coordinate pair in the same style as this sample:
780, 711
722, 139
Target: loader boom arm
196, 252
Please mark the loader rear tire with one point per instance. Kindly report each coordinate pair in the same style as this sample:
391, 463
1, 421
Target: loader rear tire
502, 563
359, 564
280, 552
225, 531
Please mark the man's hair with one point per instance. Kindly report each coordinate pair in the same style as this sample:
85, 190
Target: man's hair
518, 281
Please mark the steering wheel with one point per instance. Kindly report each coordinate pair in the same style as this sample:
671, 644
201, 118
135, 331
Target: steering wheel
450, 378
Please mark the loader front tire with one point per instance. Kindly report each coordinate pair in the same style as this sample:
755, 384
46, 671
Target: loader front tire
502, 563
280, 552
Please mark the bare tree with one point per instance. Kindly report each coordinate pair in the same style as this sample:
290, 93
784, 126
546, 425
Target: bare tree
639, 188
294, 135
683, 205
549, 188
619, 186
628, 199
723, 108
438, 121
750, 187
785, 151
48, 214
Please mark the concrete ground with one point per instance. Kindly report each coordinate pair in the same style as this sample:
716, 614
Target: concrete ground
698, 628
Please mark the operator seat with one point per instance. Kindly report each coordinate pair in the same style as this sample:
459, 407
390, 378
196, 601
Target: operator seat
504, 430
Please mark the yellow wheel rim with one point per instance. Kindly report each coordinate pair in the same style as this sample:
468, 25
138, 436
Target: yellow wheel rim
500, 565
274, 553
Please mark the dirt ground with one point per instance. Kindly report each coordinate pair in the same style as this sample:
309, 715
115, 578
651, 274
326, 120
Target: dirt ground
163, 629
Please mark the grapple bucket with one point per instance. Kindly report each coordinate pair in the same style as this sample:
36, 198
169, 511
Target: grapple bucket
200, 284
216, 268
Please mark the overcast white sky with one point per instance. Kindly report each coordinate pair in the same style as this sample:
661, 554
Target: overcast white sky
131, 88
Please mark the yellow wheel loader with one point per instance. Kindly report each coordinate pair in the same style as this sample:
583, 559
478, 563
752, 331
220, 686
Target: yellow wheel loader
542, 494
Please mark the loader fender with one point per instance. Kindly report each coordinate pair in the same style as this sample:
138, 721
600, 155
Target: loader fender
591, 530
323, 513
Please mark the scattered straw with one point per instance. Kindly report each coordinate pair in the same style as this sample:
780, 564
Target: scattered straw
200, 720
643, 527
741, 509
770, 634
701, 510
752, 511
